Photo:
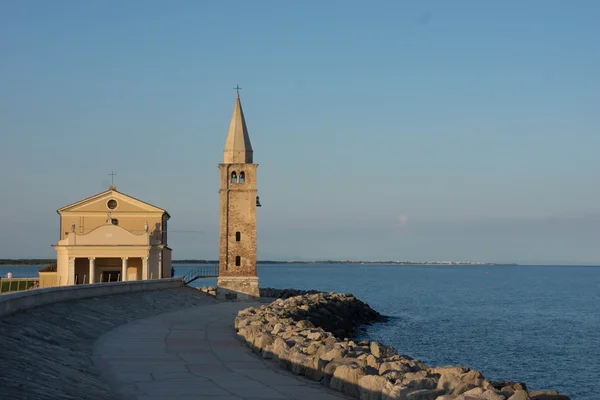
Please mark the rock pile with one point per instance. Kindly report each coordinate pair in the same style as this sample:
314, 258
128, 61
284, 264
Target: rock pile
266, 292
285, 293
309, 335
209, 290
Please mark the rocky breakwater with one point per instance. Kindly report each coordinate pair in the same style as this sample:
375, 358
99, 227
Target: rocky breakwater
309, 335
265, 292
285, 293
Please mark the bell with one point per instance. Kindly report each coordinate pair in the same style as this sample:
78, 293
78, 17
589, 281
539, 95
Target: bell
258, 202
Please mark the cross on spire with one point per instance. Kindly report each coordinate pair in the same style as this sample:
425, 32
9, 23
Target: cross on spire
237, 89
112, 177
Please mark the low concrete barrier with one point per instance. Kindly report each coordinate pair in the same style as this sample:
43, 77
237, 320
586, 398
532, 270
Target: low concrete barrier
10, 303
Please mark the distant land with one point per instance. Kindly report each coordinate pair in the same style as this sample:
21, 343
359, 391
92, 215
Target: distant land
349, 262
39, 261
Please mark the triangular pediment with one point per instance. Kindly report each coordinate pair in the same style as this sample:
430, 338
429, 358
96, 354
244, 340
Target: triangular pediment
102, 202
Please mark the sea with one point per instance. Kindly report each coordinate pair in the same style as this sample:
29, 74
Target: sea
534, 324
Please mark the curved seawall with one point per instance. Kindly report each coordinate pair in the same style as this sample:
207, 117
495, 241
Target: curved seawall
46, 347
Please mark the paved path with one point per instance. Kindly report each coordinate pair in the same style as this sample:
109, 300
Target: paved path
46, 351
194, 354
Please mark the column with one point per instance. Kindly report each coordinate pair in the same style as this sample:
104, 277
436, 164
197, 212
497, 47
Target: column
92, 270
160, 265
71, 272
145, 268
124, 269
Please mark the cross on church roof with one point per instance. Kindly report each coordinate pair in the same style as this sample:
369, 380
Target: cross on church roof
237, 89
112, 177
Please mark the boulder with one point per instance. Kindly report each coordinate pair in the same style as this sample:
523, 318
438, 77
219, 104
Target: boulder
334, 353
552, 395
301, 364
475, 378
281, 352
480, 394
450, 369
248, 333
210, 290
331, 366
315, 348
424, 394
372, 361
317, 372
279, 346
420, 380
452, 384
370, 387
345, 379
241, 321
397, 366
304, 324
395, 392
381, 351
262, 341
519, 395
394, 376
278, 327
503, 385
315, 336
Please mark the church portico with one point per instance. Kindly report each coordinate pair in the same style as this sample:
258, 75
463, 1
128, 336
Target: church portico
97, 269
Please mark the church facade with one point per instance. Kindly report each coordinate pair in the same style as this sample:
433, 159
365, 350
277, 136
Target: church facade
238, 277
111, 237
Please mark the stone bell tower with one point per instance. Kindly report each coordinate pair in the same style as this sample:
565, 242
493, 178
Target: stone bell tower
237, 258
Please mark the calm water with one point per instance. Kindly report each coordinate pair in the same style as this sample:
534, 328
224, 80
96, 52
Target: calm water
540, 325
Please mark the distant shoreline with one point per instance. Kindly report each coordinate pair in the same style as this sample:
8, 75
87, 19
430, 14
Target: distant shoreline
350, 262
42, 262
35, 261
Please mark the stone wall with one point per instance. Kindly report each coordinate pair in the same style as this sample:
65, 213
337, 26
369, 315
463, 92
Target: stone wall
237, 288
10, 303
309, 335
237, 214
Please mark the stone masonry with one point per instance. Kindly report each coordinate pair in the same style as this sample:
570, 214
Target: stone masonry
237, 256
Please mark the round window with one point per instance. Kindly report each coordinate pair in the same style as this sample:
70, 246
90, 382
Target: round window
112, 204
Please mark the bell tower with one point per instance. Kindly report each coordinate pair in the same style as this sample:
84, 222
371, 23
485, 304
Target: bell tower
238, 201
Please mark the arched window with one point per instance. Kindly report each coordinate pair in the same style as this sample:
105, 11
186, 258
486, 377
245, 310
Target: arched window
238, 236
242, 177
238, 261
233, 177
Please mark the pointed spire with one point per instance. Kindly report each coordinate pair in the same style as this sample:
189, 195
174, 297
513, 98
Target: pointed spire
237, 147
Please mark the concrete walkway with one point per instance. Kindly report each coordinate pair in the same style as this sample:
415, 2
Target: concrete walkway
194, 354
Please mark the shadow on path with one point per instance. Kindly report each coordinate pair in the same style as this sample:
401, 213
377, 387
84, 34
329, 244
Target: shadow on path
46, 352
195, 353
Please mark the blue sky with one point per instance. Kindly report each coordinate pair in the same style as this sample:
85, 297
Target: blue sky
427, 130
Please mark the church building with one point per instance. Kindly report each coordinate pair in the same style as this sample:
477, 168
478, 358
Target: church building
238, 201
111, 237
